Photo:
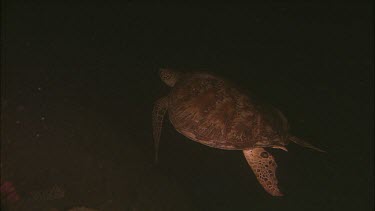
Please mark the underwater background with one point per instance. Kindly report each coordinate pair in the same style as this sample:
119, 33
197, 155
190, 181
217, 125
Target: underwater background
78, 83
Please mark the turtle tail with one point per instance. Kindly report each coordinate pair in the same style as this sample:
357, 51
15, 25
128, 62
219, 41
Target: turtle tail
304, 143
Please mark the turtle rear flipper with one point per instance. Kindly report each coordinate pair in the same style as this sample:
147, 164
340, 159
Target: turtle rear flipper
304, 143
264, 167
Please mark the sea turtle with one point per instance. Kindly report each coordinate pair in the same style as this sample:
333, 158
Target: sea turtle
214, 112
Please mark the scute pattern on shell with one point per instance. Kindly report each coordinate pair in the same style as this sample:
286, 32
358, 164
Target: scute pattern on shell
208, 109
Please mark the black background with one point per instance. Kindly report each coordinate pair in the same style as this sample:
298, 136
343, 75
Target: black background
100, 60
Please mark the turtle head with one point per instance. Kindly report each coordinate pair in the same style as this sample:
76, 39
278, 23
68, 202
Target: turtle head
169, 76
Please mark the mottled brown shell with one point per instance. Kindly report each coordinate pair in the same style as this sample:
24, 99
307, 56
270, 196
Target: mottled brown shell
209, 110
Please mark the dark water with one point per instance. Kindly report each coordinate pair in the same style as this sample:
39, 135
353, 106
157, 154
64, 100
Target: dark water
79, 81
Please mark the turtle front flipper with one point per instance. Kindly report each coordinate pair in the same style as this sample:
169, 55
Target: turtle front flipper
158, 114
264, 167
